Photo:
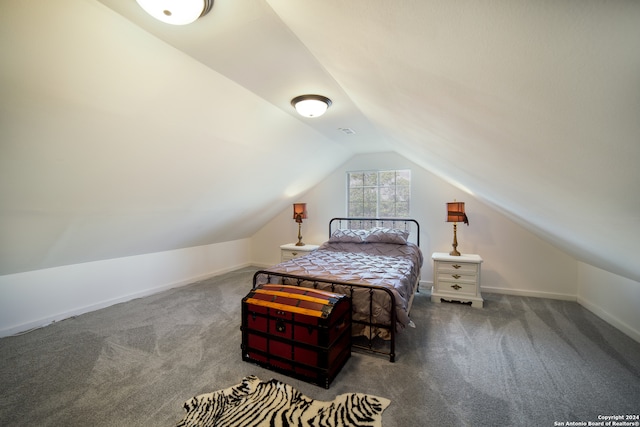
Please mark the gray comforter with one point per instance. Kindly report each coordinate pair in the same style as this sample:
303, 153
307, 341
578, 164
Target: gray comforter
394, 266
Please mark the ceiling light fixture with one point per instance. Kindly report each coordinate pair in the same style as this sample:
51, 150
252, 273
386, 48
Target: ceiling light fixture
176, 12
311, 105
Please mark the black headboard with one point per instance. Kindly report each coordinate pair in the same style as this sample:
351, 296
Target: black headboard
408, 224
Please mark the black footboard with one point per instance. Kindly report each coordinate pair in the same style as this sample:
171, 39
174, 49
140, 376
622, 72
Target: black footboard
347, 289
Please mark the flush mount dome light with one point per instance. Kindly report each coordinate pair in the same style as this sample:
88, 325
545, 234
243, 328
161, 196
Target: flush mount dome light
311, 105
176, 12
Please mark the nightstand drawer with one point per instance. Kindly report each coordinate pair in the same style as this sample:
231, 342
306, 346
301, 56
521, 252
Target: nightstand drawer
457, 267
458, 288
287, 255
456, 277
291, 251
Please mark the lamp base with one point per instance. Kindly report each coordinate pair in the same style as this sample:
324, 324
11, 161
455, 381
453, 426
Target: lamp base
300, 243
455, 252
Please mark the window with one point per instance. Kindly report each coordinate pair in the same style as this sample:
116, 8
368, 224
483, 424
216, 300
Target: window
381, 194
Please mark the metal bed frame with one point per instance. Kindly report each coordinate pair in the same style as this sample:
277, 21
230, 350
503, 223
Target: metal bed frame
349, 288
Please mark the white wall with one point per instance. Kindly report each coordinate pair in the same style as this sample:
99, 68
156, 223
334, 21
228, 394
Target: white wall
515, 260
126, 146
613, 298
36, 298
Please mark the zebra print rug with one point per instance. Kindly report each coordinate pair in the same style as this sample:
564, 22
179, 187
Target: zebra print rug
256, 403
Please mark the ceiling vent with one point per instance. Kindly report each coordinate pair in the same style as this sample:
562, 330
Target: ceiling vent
347, 131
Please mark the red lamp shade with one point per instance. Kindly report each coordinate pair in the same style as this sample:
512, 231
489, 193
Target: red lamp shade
299, 211
455, 212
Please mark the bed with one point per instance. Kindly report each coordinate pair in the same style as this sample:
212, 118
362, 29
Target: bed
376, 261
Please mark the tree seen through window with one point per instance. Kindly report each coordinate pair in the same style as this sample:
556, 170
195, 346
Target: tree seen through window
381, 194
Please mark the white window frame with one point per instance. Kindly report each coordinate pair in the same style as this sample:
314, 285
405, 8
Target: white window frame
376, 192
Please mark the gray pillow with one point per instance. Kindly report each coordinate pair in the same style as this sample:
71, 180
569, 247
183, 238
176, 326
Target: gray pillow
387, 235
346, 235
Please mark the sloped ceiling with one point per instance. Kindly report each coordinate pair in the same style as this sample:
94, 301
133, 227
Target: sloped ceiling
530, 106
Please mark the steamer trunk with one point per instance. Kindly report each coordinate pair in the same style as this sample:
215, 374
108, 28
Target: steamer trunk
301, 332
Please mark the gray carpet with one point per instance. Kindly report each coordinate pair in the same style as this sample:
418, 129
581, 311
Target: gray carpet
517, 362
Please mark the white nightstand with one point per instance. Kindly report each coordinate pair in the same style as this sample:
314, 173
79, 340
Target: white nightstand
290, 251
456, 278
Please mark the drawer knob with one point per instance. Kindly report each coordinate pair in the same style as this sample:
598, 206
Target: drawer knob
294, 253
456, 266
456, 286
456, 276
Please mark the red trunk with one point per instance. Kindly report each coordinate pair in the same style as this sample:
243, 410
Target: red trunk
300, 332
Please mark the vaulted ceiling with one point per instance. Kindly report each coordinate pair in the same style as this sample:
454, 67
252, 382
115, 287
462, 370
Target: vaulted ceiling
119, 127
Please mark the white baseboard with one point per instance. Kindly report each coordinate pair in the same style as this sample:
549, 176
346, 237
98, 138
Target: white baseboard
425, 285
529, 293
610, 319
607, 317
261, 265
428, 284
46, 321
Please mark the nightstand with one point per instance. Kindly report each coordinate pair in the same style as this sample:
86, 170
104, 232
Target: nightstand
456, 278
290, 251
